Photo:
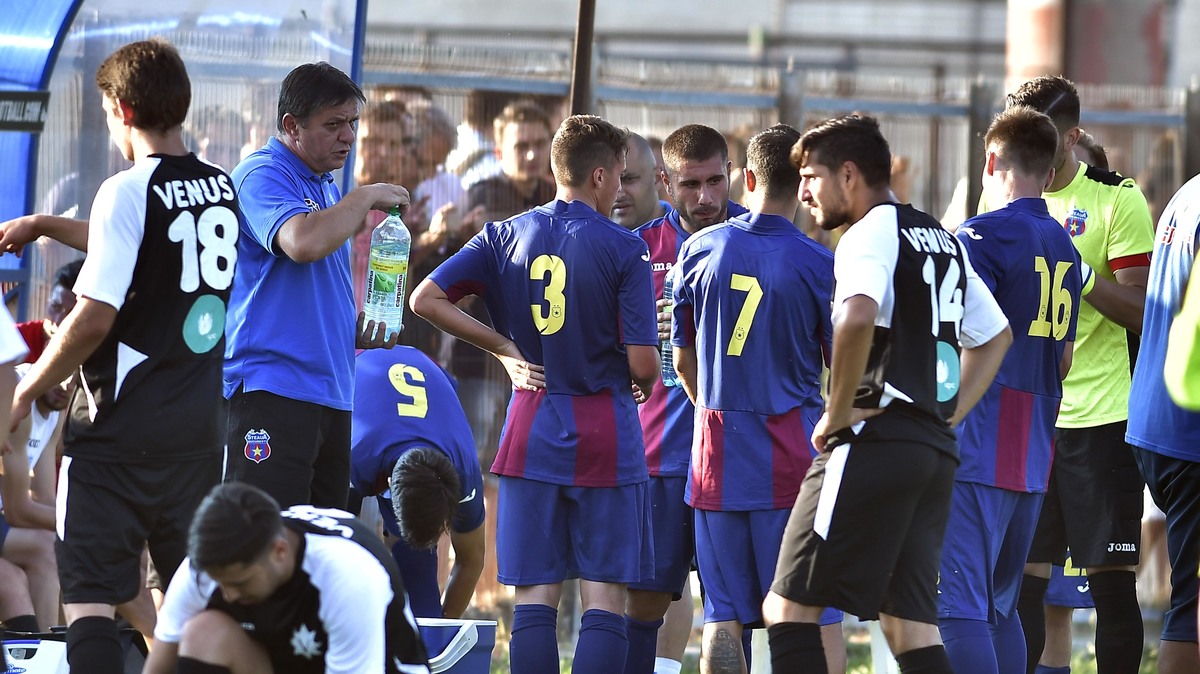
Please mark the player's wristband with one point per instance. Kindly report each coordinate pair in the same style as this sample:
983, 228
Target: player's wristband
1089, 278
839, 437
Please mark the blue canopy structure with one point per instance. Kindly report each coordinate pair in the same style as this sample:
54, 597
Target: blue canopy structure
31, 35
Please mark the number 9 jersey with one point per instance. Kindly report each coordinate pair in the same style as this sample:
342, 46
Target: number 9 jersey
162, 245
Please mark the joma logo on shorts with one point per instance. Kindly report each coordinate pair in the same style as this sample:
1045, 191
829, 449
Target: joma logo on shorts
1122, 547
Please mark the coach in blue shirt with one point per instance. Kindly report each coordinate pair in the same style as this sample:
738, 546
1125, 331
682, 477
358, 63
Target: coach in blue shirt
290, 337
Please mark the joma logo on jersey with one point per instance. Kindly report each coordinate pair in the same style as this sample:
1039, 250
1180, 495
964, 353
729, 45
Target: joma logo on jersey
1122, 547
312, 205
258, 445
1076, 222
660, 266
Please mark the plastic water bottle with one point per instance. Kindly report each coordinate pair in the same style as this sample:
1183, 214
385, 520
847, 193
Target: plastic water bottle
669, 376
387, 270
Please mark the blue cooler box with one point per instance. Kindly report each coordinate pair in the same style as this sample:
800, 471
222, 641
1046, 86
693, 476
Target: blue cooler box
458, 646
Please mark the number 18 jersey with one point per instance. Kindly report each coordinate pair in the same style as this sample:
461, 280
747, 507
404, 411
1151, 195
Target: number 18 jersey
162, 245
570, 288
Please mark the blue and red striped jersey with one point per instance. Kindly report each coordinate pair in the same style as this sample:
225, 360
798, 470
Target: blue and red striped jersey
1028, 262
571, 289
667, 416
753, 296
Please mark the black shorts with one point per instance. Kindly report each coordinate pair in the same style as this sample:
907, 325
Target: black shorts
112, 510
1175, 487
866, 533
1093, 504
297, 452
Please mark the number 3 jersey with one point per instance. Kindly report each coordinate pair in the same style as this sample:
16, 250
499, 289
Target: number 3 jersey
162, 245
570, 288
931, 303
752, 296
1031, 267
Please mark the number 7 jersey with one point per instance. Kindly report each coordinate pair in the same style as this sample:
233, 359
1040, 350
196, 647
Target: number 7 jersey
162, 245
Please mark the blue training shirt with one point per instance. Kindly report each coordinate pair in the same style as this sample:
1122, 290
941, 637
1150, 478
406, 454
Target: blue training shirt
291, 326
570, 288
1156, 423
753, 295
403, 400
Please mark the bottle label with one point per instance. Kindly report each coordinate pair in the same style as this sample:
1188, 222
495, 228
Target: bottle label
394, 267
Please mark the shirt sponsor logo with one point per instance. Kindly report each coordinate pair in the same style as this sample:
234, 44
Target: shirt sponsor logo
1076, 222
1122, 547
312, 205
258, 445
660, 266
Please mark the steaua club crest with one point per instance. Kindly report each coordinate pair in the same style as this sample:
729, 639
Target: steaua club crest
258, 445
1076, 222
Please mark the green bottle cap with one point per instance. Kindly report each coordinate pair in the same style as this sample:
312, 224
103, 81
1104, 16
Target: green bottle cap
394, 211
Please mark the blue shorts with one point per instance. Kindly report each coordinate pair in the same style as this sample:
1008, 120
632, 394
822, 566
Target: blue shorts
983, 557
1069, 587
547, 533
674, 546
736, 552
1175, 487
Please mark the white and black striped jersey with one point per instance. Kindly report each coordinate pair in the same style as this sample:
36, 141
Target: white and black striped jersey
162, 245
931, 303
344, 610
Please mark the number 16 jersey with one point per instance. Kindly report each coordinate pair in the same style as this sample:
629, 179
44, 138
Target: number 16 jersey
162, 245
570, 288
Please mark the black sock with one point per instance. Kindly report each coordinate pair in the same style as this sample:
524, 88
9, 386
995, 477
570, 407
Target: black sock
22, 623
94, 646
928, 660
1119, 630
796, 647
1033, 618
186, 665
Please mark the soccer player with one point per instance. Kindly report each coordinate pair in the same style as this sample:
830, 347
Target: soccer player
410, 438
1183, 351
147, 330
1005, 444
60, 303
637, 201
569, 292
306, 591
866, 533
291, 335
698, 184
751, 297
1093, 504
1166, 437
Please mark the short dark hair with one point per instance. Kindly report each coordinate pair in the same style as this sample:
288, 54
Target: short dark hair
68, 274
235, 524
1024, 138
583, 143
312, 87
149, 76
849, 138
523, 111
1096, 151
425, 490
1052, 95
693, 142
768, 154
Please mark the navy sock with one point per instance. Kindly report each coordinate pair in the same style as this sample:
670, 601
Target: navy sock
928, 660
1033, 618
189, 666
969, 645
1008, 640
643, 641
1043, 669
533, 648
602, 646
22, 623
1119, 630
94, 646
796, 647
418, 569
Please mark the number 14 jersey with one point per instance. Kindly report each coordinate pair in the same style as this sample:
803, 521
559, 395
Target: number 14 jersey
162, 245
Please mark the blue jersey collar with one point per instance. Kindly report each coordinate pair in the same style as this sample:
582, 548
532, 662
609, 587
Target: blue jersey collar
277, 148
